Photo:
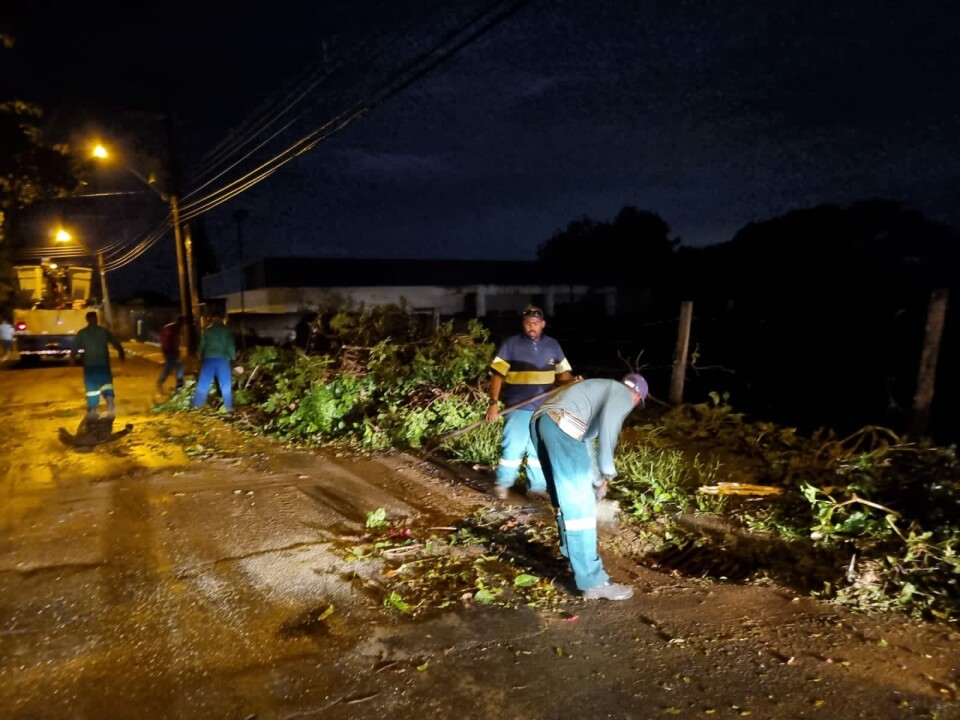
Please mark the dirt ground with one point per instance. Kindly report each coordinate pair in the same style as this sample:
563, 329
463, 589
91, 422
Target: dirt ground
193, 570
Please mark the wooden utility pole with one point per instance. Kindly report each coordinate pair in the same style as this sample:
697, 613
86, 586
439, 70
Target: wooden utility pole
107, 309
185, 308
191, 271
926, 378
240, 216
680, 354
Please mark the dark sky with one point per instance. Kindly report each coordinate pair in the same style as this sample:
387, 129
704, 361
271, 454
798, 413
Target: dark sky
712, 114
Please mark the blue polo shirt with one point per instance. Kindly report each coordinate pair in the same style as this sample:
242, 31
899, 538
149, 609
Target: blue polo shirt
529, 367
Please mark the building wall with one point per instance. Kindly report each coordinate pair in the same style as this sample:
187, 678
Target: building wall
272, 313
476, 300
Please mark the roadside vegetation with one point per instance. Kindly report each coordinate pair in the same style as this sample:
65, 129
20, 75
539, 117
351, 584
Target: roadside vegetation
869, 521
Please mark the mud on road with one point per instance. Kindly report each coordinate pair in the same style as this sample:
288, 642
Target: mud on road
193, 570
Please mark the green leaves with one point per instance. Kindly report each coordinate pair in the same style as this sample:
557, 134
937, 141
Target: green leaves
377, 518
396, 602
484, 596
870, 519
387, 380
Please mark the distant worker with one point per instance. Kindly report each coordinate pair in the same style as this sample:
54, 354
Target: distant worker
6, 337
576, 433
217, 350
93, 343
527, 364
170, 345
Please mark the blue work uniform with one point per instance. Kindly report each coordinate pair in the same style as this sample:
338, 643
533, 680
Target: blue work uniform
576, 433
529, 368
217, 349
92, 343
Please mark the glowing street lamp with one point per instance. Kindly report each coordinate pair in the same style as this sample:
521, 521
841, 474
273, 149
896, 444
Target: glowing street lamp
100, 152
62, 235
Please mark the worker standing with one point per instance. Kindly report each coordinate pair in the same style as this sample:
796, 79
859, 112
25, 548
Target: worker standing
526, 365
92, 342
217, 350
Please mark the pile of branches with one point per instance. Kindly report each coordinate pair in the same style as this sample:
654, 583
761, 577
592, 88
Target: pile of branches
374, 378
871, 520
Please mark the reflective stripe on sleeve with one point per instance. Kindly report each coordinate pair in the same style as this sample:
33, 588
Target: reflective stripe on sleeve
533, 462
564, 366
510, 463
499, 365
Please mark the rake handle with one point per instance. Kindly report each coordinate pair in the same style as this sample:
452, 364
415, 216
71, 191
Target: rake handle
438, 441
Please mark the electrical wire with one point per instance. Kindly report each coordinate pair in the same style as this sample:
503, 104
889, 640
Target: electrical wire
315, 73
122, 254
413, 70
222, 153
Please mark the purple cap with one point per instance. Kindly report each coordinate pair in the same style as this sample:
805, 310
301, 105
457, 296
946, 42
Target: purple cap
636, 383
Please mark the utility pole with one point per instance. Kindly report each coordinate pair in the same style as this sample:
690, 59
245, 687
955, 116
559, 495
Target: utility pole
107, 309
240, 216
181, 263
174, 183
191, 271
169, 197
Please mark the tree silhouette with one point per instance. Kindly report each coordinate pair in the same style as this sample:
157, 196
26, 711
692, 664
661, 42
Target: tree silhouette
646, 234
636, 241
31, 170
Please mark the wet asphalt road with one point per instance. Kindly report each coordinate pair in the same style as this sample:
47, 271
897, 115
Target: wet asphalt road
188, 571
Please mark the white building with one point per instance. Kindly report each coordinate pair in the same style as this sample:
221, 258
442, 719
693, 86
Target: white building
273, 294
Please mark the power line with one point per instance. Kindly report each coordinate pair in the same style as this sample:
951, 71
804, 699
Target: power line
420, 65
413, 70
300, 89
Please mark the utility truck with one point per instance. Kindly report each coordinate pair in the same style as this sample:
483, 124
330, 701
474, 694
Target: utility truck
51, 307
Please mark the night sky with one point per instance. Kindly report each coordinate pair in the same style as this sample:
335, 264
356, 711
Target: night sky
712, 114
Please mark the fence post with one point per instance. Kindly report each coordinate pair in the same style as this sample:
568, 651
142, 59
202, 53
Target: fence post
680, 355
926, 379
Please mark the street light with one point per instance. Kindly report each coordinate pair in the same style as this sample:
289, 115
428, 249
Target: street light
63, 236
100, 152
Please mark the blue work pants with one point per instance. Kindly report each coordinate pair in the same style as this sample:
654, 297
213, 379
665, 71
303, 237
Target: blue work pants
98, 381
210, 368
515, 444
570, 472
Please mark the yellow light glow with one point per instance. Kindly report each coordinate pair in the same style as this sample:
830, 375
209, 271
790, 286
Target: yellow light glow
52, 266
63, 236
99, 151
